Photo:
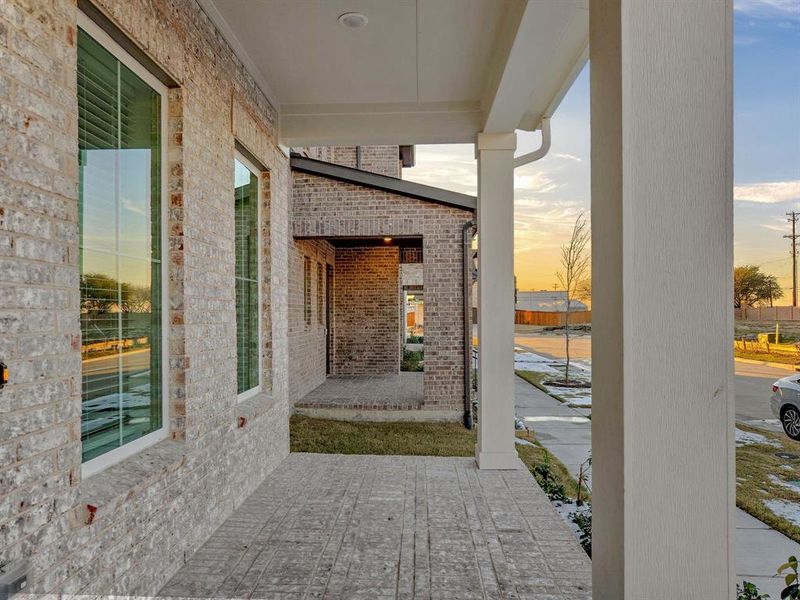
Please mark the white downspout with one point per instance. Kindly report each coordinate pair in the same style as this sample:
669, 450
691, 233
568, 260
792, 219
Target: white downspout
541, 151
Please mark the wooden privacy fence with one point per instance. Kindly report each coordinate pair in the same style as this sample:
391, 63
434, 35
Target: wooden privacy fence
767, 313
553, 319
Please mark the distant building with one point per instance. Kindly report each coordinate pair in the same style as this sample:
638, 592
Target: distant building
547, 301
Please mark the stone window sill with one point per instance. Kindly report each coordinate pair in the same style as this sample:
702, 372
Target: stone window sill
251, 409
102, 494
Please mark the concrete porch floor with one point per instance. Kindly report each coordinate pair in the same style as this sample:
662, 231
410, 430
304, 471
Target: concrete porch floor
370, 527
399, 391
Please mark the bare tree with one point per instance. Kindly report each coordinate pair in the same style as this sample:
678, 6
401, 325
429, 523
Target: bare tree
574, 271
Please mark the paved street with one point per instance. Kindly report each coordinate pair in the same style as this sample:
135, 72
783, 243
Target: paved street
753, 388
753, 382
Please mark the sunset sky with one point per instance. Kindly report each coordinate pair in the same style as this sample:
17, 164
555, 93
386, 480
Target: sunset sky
550, 193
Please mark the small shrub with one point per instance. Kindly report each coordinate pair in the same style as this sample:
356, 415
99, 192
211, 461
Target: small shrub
547, 480
748, 591
792, 589
583, 519
412, 361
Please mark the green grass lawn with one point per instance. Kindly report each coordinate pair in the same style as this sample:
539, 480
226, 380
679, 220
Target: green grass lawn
349, 437
756, 467
408, 439
777, 357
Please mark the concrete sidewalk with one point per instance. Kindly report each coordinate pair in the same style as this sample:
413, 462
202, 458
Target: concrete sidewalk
567, 433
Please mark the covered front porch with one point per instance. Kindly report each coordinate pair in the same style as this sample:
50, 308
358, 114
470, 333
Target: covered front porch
215, 486
334, 526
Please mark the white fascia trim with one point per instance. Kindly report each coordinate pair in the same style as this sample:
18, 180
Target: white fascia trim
212, 12
532, 122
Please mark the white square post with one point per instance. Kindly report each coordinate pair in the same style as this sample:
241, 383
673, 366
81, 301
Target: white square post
496, 301
662, 306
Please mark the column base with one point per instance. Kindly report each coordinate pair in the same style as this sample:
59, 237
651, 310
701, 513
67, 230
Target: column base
508, 461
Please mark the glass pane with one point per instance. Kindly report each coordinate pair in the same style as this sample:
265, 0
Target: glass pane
120, 207
139, 168
100, 353
247, 326
138, 327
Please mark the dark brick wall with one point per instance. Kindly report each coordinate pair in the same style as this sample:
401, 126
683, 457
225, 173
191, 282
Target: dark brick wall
367, 311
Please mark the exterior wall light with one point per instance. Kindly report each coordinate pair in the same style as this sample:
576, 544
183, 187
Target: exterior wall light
353, 20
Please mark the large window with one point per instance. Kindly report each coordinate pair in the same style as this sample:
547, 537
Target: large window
121, 110
248, 326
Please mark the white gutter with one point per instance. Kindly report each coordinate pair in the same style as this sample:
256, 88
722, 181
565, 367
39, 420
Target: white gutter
577, 67
541, 151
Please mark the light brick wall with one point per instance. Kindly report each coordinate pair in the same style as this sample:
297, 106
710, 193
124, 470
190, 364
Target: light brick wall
367, 311
324, 208
381, 159
384, 160
127, 529
411, 274
306, 342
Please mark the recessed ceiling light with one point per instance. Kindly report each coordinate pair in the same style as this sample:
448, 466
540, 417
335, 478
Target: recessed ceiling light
353, 20
387, 239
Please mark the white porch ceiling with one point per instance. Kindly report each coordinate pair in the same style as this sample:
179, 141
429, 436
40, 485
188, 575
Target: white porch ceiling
421, 71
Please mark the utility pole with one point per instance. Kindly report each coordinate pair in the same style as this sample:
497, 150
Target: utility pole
793, 220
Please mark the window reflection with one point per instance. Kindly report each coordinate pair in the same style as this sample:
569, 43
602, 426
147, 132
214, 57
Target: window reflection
119, 202
247, 322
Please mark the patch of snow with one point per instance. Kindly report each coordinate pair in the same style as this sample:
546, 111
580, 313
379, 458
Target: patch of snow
785, 509
522, 442
583, 365
528, 361
784, 484
576, 397
565, 509
746, 438
580, 402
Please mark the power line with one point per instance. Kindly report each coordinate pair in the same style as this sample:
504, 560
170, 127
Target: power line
767, 262
793, 220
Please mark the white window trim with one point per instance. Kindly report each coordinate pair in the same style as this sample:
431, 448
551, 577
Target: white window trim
259, 386
117, 455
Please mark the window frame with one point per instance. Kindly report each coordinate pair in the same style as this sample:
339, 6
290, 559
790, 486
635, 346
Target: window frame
259, 259
112, 457
320, 293
308, 318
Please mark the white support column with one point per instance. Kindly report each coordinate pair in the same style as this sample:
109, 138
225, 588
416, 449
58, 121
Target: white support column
662, 249
495, 448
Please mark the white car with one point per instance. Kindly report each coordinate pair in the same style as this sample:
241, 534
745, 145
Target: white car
785, 404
